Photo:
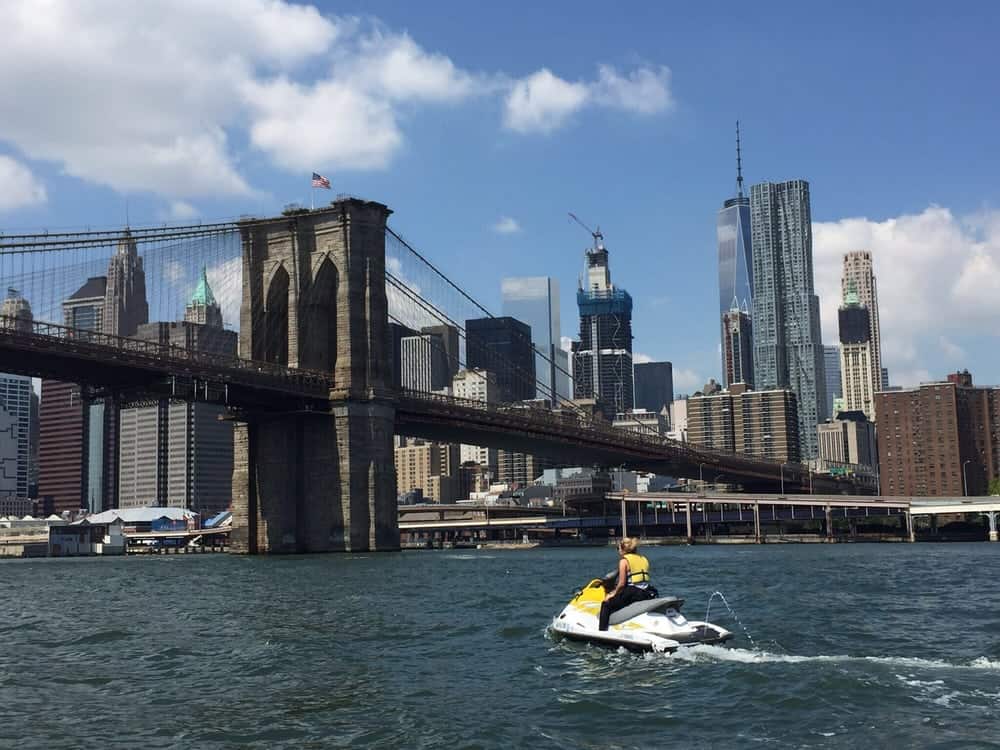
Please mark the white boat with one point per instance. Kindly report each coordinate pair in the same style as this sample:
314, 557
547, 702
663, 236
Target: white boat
651, 625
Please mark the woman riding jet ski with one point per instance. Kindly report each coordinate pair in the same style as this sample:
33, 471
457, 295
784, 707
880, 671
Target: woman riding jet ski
622, 609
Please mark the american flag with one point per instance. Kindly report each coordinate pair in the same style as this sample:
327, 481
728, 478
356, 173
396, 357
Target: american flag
320, 181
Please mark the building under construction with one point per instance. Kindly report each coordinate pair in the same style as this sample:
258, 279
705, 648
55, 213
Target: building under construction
602, 358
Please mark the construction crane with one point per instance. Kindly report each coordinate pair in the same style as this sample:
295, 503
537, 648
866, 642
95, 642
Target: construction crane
598, 237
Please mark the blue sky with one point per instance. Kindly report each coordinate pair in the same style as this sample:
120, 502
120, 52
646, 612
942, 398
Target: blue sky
458, 115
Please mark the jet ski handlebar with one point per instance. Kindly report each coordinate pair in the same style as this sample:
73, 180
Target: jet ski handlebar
609, 579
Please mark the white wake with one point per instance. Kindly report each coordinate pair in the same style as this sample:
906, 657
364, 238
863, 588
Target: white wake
705, 653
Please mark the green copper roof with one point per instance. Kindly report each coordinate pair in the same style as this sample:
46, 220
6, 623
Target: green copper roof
203, 292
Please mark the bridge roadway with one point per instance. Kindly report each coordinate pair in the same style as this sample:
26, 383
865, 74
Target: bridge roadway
149, 368
141, 369
987, 506
672, 508
678, 509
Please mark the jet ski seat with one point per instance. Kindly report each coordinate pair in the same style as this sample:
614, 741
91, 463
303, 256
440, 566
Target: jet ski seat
650, 605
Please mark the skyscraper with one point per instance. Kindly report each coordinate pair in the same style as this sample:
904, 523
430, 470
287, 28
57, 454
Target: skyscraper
831, 365
62, 448
602, 358
16, 408
737, 348
84, 308
424, 363
15, 423
848, 439
125, 306
535, 301
78, 441
15, 312
476, 385
788, 349
735, 264
503, 347
203, 308
859, 275
125, 310
397, 333
71, 458
179, 453
447, 343
654, 386
860, 381
757, 423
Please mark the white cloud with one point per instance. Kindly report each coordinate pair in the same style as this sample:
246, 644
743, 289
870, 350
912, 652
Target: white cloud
686, 380
138, 96
19, 188
226, 280
566, 343
173, 271
640, 359
507, 225
158, 96
543, 102
645, 90
326, 123
398, 68
938, 277
950, 349
402, 307
911, 377
182, 211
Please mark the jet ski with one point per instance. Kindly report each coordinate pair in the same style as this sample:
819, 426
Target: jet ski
651, 625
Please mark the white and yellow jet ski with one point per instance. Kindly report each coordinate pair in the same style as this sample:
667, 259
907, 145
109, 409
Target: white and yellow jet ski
651, 625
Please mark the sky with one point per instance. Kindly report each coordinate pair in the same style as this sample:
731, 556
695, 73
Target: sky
482, 124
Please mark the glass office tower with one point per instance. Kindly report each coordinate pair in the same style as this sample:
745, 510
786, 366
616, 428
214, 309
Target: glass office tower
788, 347
535, 301
735, 265
735, 256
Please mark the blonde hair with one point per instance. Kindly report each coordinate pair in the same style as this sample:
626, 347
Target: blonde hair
628, 545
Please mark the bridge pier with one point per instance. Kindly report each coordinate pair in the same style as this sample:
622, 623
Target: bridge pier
992, 516
314, 298
316, 483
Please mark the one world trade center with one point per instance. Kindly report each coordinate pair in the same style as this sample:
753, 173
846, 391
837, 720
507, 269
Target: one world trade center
736, 282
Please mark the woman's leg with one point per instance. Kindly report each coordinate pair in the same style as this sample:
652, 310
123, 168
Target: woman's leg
622, 599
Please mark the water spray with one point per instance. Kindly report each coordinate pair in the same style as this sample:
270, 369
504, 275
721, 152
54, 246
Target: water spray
732, 614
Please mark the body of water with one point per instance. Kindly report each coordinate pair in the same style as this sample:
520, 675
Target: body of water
853, 646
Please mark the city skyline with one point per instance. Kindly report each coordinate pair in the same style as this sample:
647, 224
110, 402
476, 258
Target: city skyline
870, 176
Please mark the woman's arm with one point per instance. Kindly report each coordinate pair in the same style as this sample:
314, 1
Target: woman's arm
622, 578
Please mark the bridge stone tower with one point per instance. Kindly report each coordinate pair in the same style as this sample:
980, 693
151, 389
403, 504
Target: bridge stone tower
314, 298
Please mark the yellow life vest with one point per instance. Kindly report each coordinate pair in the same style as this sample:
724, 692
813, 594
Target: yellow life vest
638, 569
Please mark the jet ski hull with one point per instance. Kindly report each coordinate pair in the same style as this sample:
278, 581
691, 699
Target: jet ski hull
652, 625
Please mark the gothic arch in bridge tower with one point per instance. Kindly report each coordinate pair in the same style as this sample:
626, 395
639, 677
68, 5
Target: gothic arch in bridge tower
318, 318
314, 479
276, 333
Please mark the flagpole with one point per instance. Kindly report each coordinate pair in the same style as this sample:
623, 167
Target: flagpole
312, 198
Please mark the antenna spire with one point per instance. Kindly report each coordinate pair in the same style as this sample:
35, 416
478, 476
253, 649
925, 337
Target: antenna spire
739, 163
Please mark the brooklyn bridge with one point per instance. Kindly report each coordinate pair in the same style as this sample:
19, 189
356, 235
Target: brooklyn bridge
311, 393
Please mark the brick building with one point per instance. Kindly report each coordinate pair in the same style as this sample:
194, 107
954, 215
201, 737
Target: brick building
939, 439
757, 423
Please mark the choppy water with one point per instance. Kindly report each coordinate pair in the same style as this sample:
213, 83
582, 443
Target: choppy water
857, 646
